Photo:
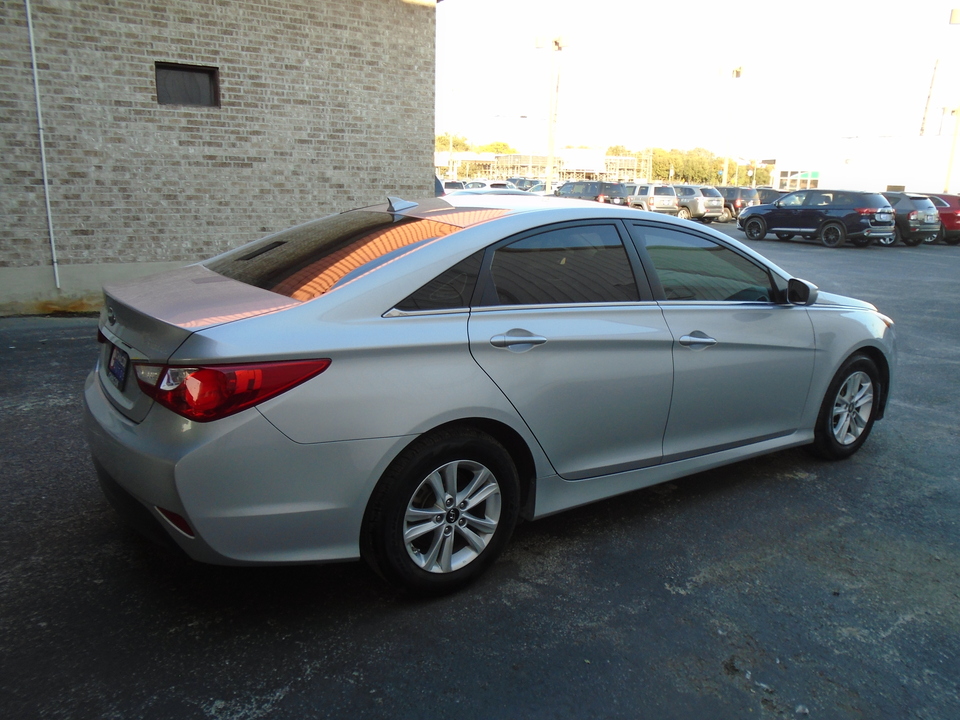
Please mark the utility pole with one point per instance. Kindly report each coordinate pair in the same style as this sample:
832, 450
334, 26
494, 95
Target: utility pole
556, 45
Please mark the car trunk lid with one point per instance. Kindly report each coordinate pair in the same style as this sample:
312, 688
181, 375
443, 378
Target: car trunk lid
146, 320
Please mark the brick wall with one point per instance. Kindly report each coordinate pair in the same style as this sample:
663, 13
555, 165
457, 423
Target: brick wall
325, 105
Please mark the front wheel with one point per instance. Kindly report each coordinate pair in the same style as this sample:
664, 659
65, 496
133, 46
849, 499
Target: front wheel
442, 512
889, 240
784, 236
755, 229
725, 216
849, 409
832, 235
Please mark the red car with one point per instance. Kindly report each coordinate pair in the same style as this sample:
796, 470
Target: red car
949, 208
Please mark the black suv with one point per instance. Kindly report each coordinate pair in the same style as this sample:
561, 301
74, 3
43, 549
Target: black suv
917, 218
735, 199
605, 192
833, 216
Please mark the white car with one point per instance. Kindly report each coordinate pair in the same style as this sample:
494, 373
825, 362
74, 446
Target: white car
495, 184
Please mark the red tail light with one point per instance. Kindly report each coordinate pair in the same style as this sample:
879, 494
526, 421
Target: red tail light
601, 198
871, 211
216, 391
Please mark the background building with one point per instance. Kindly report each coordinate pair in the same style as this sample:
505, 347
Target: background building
176, 130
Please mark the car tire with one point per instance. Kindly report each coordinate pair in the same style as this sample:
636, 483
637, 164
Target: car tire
683, 213
848, 410
951, 240
888, 241
910, 241
726, 216
833, 234
429, 544
755, 228
784, 236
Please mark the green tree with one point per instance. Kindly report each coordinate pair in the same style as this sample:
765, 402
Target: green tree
442, 143
500, 148
619, 151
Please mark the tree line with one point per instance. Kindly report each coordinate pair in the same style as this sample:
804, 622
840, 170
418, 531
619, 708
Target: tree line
697, 167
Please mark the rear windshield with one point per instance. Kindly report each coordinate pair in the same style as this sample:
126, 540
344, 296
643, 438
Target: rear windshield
309, 260
923, 203
664, 190
614, 189
749, 194
872, 200
710, 192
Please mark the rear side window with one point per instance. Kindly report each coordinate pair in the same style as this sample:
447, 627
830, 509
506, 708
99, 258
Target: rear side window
312, 259
939, 202
451, 289
691, 267
583, 264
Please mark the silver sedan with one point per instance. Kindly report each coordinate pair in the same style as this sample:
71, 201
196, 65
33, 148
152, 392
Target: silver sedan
403, 382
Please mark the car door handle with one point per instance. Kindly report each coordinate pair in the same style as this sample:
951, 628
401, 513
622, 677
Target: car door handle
697, 340
517, 339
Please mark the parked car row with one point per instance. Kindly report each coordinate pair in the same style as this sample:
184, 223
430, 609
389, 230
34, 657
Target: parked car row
836, 216
831, 216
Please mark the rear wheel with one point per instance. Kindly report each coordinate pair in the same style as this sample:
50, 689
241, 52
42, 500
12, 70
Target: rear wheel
911, 240
442, 512
785, 236
683, 213
833, 234
725, 216
889, 240
755, 229
849, 409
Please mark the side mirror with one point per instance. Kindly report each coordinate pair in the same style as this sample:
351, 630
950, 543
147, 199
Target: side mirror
801, 292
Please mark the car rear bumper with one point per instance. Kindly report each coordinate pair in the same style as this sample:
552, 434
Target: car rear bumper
249, 494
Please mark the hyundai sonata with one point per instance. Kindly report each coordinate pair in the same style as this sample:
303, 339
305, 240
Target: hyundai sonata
403, 382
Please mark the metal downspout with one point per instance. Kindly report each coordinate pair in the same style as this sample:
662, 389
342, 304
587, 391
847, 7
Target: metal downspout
43, 149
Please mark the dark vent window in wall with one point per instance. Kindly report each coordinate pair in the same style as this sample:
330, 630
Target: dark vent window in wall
187, 85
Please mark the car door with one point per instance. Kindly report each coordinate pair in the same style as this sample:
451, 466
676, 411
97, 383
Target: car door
742, 361
786, 215
562, 330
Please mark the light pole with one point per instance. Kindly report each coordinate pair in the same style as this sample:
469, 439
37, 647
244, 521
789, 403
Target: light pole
954, 20
556, 45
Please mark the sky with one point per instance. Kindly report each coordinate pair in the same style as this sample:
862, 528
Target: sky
647, 74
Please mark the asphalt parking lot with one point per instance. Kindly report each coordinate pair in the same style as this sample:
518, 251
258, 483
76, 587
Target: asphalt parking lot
776, 588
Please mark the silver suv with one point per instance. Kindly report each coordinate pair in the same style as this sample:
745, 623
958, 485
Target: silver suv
700, 202
655, 198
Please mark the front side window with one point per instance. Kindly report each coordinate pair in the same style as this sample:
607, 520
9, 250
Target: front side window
793, 199
691, 267
583, 264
